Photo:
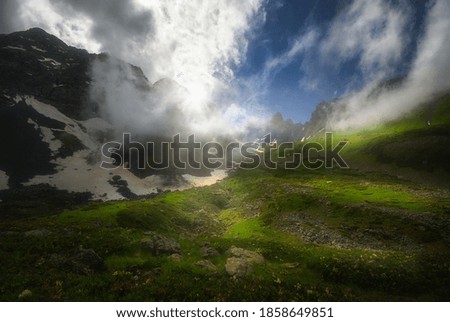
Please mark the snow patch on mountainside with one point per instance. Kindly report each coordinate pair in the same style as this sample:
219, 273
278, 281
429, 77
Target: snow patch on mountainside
72, 127
81, 172
53, 143
47, 136
35, 125
15, 48
48, 110
39, 49
51, 61
76, 174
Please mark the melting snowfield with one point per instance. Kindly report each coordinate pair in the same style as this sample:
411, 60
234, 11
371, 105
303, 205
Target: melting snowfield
78, 172
75, 174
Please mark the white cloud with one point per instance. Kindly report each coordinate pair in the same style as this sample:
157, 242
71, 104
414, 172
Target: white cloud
299, 46
430, 75
255, 87
199, 40
197, 43
432, 64
371, 31
73, 29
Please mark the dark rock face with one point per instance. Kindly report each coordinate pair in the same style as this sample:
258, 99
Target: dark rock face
36, 63
24, 154
320, 118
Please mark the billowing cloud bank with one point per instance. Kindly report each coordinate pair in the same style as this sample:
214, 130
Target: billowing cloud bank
374, 35
193, 46
429, 75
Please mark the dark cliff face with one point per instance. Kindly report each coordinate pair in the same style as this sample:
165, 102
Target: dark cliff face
38, 64
320, 118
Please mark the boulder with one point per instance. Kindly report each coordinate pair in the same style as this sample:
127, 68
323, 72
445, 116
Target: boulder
241, 261
208, 251
207, 265
26, 294
238, 267
160, 245
175, 257
249, 255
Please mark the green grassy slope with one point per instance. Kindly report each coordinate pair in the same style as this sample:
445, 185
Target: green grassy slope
417, 146
330, 235
325, 235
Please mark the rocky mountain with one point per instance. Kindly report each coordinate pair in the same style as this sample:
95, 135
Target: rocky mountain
37, 64
44, 85
50, 128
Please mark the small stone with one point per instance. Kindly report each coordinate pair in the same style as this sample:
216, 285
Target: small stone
206, 265
249, 255
147, 244
37, 233
175, 258
238, 267
26, 294
208, 251
290, 265
160, 245
241, 262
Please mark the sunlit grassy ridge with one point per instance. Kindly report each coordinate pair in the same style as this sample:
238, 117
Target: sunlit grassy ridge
350, 234
420, 141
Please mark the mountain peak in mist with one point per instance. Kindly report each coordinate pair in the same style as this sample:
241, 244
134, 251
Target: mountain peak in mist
50, 124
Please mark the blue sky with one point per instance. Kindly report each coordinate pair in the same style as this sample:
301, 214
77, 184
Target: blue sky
288, 90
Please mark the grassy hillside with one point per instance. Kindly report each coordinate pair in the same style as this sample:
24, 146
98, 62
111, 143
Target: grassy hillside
365, 233
416, 146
